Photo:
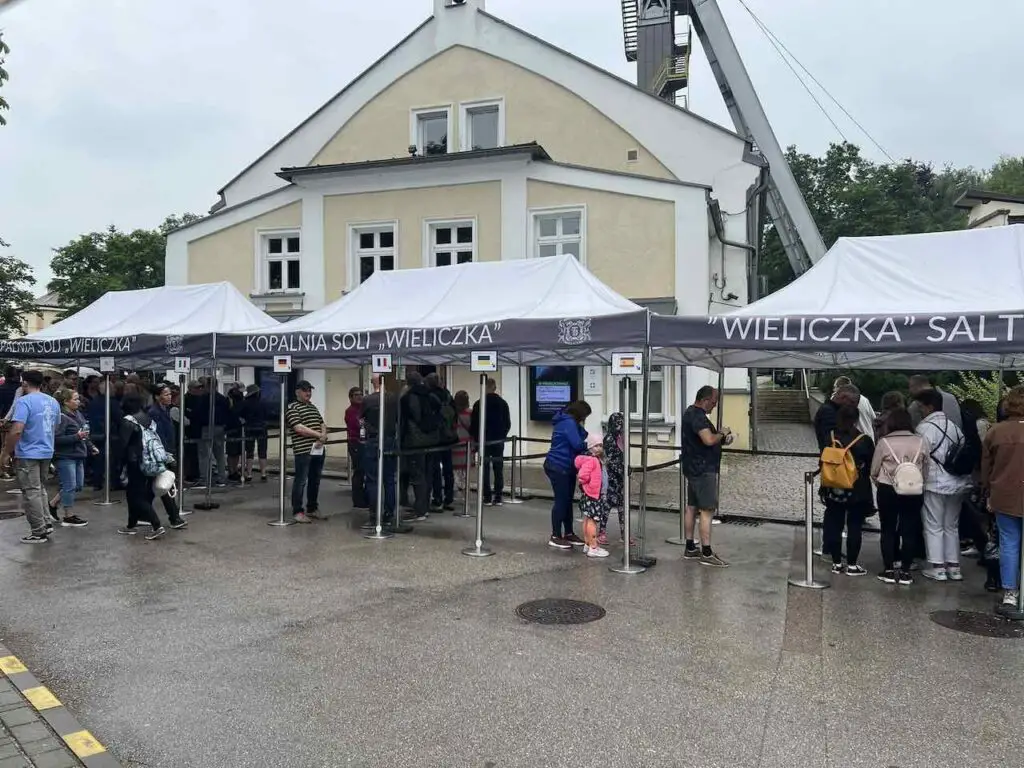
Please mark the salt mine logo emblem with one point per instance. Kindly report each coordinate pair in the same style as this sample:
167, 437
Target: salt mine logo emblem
175, 345
574, 332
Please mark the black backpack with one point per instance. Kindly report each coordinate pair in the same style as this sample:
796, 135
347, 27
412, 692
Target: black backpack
963, 456
448, 429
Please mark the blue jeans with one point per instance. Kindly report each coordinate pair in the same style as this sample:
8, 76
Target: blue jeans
370, 468
1009, 549
72, 479
308, 470
563, 485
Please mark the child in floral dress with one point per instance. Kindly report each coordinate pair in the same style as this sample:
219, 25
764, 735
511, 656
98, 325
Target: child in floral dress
593, 479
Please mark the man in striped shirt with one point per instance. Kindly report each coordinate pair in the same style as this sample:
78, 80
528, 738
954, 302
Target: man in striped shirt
308, 434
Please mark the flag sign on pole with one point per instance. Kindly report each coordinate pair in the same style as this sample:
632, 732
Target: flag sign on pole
282, 364
182, 365
107, 365
484, 362
382, 363
627, 363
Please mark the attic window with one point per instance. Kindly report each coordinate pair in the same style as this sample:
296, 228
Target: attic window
431, 130
632, 155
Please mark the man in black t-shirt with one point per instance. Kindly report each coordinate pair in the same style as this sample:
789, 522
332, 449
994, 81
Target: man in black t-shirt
701, 459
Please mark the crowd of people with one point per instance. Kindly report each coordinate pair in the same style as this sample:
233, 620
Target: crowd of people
429, 442
946, 483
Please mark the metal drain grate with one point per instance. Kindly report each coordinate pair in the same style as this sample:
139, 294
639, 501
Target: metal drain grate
743, 522
558, 611
981, 624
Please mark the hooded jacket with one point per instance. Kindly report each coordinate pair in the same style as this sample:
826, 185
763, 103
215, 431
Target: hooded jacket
568, 440
131, 437
589, 475
421, 418
66, 444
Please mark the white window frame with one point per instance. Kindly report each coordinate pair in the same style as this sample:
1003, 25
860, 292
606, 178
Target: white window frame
536, 213
657, 417
466, 108
414, 126
262, 265
429, 249
355, 229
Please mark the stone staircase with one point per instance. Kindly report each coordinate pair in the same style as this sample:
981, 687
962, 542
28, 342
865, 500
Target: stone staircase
782, 406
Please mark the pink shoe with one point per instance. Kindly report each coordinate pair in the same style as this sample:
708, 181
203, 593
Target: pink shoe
602, 538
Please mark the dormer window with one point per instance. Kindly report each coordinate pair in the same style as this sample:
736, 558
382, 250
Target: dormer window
482, 125
432, 130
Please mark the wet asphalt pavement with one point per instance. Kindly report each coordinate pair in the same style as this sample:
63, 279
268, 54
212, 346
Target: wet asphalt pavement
237, 644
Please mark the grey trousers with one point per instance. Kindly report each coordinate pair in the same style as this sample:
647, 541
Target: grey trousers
32, 479
217, 445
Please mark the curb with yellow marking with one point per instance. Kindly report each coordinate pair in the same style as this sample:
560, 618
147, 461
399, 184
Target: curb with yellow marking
83, 744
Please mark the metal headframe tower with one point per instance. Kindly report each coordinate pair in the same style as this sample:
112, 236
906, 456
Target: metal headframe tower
657, 38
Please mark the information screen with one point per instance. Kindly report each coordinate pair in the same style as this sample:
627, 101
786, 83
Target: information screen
552, 387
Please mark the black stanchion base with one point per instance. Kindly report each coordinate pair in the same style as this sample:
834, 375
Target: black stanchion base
206, 506
1010, 613
400, 528
644, 561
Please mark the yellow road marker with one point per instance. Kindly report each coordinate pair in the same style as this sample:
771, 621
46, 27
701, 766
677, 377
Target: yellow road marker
84, 744
41, 698
10, 665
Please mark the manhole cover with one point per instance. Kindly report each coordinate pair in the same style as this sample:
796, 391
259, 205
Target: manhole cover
983, 624
556, 611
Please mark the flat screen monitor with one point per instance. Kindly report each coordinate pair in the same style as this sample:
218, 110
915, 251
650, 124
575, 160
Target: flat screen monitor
552, 387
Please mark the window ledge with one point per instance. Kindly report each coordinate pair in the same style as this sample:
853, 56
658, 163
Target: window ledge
278, 301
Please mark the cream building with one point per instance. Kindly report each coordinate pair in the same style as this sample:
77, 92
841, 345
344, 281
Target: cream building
991, 209
473, 140
46, 312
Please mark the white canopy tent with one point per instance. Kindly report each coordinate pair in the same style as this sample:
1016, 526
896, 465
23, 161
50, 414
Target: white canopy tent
529, 311
943, 300
145, 328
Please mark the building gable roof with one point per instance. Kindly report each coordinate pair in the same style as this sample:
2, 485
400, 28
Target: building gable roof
426, 41
972, 197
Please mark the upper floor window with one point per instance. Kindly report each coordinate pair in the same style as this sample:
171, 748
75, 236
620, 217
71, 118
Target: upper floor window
373, 250
657, 396
431, 130
451, 242
482, 125
281, 261
558, 231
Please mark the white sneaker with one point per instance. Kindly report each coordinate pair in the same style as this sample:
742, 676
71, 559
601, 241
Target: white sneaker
596, 552
586, 549
1010, 597
954, 574
935, 574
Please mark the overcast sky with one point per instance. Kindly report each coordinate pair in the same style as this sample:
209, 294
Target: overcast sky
125, 111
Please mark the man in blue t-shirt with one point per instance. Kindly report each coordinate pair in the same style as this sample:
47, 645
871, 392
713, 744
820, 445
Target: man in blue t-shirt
33, 423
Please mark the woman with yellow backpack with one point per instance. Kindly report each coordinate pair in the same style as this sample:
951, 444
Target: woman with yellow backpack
846, 490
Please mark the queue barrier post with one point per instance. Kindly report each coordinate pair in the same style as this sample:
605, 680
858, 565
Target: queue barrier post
628, 567
378, 533
106, 501
465, 495
512, 497
479, 549
281, 522
808, 582
680, 540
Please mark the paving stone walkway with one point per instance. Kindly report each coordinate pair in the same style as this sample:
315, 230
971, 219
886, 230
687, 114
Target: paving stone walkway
26, 741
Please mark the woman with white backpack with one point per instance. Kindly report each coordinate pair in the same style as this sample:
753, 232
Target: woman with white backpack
898, 469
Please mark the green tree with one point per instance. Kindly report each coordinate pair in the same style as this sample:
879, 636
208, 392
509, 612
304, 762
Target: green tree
93, 264
16, 297
851, 196
1006, 176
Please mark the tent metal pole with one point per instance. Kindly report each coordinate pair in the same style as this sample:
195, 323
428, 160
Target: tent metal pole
182, 388
718, 428
106, 502
479, 549
211, 389
627, 566
680, 540
641, 527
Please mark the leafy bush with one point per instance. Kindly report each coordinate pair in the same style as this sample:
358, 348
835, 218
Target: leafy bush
973, 386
